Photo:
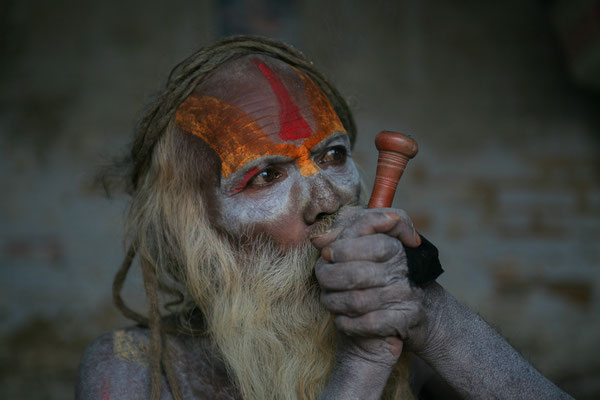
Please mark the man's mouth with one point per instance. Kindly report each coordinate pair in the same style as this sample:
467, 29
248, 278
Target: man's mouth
323, 224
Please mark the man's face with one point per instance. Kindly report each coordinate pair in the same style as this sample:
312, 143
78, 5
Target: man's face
285, 156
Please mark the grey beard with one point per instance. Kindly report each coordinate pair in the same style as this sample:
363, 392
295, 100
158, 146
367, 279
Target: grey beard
273, 334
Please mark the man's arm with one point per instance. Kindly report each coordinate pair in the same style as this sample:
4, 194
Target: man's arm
473, 358
358, 374
363, 276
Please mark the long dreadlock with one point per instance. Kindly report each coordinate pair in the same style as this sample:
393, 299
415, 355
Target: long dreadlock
181, 82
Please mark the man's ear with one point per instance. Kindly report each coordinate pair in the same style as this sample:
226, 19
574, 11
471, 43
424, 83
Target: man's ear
199, 166
198, 162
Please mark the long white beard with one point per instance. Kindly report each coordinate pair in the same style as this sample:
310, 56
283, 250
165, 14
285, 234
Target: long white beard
264, 316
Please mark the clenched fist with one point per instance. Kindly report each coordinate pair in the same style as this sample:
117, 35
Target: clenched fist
363, 276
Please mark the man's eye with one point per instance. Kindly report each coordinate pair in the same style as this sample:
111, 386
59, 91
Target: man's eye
265, 177
333, 156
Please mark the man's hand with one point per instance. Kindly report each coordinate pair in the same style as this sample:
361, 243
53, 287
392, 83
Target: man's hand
363, 276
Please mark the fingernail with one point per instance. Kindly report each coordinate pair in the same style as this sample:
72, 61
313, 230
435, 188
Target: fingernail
327, 254
417, 238
395, 345
392, 215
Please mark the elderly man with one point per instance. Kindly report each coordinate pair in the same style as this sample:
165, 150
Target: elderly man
244, 216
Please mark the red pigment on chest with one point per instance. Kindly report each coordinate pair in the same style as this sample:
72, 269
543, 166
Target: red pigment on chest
291, 124
105, 389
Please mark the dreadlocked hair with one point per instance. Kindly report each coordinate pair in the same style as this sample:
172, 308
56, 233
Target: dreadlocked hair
149, 179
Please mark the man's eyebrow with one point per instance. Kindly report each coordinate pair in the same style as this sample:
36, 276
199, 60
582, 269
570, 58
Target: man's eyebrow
327, 141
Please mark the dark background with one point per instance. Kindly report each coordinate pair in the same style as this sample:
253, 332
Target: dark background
502, 97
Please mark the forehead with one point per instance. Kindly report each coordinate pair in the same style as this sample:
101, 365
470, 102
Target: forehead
257, 106
261, 87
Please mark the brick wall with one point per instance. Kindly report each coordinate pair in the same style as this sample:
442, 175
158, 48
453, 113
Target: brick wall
506, 183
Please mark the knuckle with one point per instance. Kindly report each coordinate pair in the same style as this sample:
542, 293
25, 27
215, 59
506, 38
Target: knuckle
356, 301
327, 283
324, 276
398, 281
417, 315
403, 214
349, 276
383, 247
371, 217
340, 249
399, 262
378, 323
391, 294
349, 279
397, 271
351, 212
328, 301
352, 280
412, 315
371, 320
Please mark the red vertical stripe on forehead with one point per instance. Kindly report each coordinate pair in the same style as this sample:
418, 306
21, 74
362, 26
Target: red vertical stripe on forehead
291, 124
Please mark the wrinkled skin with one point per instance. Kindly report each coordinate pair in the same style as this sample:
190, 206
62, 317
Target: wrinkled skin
280, 172
362, 270
363, 276
285, 203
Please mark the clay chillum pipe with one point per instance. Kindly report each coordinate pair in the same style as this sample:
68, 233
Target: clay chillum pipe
395, 149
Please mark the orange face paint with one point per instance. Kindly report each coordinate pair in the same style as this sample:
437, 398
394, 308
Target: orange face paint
238, 138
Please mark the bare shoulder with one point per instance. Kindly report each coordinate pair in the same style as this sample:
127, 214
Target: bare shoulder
117, 366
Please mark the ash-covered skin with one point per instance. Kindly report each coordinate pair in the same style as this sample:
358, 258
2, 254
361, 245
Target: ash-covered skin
362, 273
288, 209
117, 366
363, 277
288, 177
282, 191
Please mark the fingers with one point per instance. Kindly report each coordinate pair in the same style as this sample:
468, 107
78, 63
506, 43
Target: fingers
377, 247
393, 222
355, 275
354, 303
382, 323
363, 274
356, 222
370, 261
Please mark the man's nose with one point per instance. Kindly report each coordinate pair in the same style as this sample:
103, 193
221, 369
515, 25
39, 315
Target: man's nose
323, 199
